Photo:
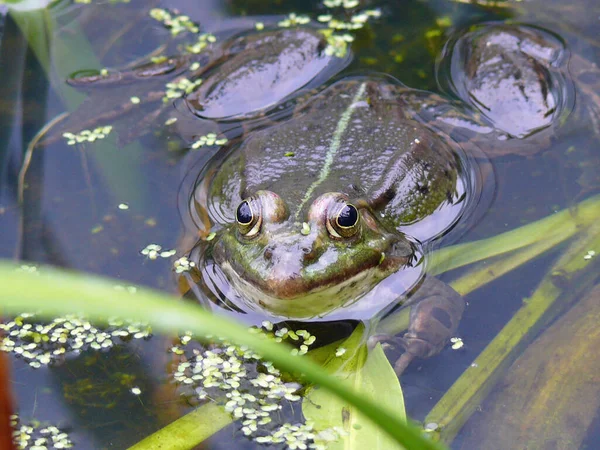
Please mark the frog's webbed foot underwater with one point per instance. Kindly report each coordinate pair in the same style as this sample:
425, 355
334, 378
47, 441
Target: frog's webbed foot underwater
435, 312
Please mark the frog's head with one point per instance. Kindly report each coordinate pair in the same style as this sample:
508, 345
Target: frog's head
302, 268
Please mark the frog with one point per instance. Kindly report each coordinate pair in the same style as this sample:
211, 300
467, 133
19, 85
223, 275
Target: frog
330, 214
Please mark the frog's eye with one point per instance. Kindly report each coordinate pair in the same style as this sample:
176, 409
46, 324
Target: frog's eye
248, 218
344, 222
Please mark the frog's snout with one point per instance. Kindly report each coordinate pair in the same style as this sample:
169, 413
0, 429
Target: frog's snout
304, 254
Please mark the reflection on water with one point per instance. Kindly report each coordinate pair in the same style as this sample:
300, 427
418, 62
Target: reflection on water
70, 216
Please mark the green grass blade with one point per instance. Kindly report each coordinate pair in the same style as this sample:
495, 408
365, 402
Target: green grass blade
562, 224
566, 279
189, 430
56, 292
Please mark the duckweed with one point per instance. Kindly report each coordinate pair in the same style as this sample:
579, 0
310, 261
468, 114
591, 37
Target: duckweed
87, 135
154, 251
293, 20
34, 436
208, 140
457, 343
179, 88
202, 42
43, 343
177, 24
183, 264
252, 390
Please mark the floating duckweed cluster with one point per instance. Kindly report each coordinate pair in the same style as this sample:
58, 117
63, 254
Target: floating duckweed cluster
251, 389
183, 264
180, 87
34, 436
208, 140
87, 135
590, 254
457, 343
294, 20
28, 268
337, 44
40, 344
356, 22
176, 24
154, 251
347, 4
203, 40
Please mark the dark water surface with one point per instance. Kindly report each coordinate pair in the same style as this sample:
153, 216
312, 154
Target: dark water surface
70, 215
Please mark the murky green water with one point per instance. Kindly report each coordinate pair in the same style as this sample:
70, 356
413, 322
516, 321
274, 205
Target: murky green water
94, 207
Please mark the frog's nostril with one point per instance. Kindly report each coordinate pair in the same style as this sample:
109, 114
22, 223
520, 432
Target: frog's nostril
308, 254
268, 253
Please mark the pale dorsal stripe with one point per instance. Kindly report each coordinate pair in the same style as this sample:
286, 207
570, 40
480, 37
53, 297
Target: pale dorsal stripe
334, 146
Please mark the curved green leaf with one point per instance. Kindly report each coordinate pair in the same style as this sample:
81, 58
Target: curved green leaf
368, 373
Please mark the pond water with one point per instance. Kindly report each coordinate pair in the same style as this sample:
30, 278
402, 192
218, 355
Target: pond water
94, 207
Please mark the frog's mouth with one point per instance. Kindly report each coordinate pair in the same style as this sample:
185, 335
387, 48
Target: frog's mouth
291, 299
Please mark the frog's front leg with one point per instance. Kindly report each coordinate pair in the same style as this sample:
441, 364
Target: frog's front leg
586, 76
435, 312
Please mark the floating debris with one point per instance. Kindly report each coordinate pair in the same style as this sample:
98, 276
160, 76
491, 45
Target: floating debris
136, 390
346, 4
208, 140
177, 24
337, 44
34, 436
41, 343
431, 427
294, 20
29, 268
305, 229
340, 351
154, 251
97, 229
203, 41
457, 343
158, 59
87, 135
183, 264
179, 88
130, 289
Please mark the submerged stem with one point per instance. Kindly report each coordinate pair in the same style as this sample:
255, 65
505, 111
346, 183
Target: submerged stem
567, 278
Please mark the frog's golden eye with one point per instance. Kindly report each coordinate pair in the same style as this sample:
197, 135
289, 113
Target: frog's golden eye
248, 218
344, 222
